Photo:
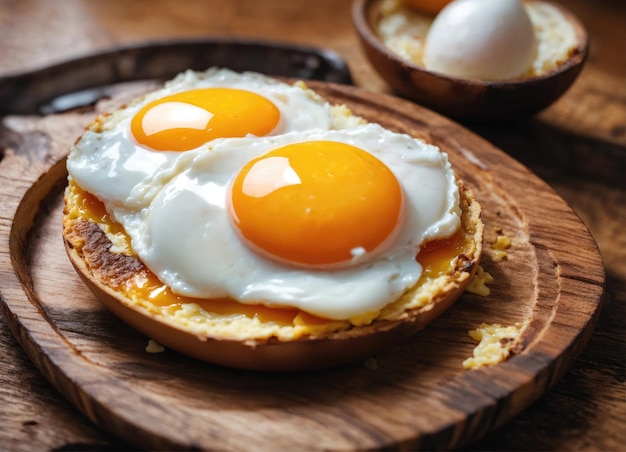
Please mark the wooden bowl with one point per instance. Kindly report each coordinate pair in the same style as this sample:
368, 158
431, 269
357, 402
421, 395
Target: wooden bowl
467, 99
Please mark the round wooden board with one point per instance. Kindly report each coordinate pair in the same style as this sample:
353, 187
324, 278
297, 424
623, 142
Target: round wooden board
415, 396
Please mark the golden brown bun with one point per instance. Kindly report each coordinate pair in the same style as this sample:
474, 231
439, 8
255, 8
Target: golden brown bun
88, 248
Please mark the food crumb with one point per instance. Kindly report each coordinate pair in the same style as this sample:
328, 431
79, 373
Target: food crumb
499, 246
478, 283
495, 343
154, 347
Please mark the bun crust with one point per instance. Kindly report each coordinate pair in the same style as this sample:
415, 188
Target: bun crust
105, 272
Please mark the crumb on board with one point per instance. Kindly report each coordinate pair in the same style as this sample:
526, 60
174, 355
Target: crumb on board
501, 244
154, 347
495, 343
478, 283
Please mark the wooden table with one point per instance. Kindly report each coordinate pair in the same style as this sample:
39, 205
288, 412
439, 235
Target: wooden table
576, 145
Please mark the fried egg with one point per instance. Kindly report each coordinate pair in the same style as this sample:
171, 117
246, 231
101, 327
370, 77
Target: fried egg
329, 222
285, 213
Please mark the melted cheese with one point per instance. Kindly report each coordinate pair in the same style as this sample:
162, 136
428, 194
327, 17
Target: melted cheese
478, 284
495, 343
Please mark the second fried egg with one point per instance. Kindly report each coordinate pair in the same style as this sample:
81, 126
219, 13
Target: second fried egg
329, 222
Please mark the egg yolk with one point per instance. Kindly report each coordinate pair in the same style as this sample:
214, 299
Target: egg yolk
436, 257
315, 203
429, 6
188, 119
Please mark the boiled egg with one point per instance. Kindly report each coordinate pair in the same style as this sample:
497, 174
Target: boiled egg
481, 39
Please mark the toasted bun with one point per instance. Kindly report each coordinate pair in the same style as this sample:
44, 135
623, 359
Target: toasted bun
105, 273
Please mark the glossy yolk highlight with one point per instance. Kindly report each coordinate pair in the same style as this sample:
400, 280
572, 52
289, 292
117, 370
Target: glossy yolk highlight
316, 203
186, 120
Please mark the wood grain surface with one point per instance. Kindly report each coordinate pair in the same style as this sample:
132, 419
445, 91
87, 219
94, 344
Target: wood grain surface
553, 279
577, 146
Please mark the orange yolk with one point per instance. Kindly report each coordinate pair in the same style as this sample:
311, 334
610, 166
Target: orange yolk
435, 257
186, 120
93, 210
316, 202
429, 6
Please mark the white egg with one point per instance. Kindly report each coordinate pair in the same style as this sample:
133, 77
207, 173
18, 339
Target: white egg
186, 236
484, 39
124, 174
